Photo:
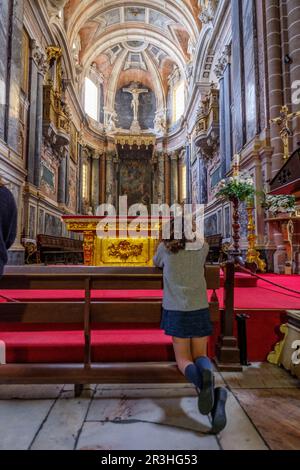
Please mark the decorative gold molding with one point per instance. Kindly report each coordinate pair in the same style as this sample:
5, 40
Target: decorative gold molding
275, 356
132, 140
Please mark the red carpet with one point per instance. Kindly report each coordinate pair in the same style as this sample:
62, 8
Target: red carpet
265, 304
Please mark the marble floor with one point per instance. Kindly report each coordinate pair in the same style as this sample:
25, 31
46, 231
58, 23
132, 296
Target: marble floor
263, 413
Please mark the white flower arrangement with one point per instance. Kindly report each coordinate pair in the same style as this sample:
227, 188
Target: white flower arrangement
279, 203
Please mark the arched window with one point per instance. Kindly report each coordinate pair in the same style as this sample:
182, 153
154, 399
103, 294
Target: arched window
91, 99
178, 101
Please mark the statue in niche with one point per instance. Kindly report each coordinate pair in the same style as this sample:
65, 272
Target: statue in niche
111, 121
160, 122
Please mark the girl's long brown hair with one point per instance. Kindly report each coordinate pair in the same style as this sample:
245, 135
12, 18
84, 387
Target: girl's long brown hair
173, 244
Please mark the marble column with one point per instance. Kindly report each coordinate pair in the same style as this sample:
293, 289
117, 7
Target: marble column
161, 178
39, 127
293, 15
174, 178
79, 182
109, 196
167, 179
15, 70
95, 180
35, 137
222, 127
102, 179
62, 175
274, 78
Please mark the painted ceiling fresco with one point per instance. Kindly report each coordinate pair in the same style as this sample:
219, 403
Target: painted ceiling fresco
146, 39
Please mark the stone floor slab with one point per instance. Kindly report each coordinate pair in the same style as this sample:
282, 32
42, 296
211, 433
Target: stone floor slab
20, 421
60, 430
141, 436
178, 412
240, 433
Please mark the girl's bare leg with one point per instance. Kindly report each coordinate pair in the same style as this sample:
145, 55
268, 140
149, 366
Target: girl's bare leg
183, 353
199, 347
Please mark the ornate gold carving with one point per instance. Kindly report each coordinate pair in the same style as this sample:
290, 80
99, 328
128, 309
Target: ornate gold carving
125, 250
122, 251
285, 132
88, 248
138, 140
55, 109
253, 256
275, 356
207, 124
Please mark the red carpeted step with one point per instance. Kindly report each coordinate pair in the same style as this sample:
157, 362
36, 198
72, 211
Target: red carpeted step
110, 343
242, 280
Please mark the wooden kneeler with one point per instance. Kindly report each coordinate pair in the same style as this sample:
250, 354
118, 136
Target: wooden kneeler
88, 312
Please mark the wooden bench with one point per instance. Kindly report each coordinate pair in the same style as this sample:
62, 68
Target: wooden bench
55, 250
87, 312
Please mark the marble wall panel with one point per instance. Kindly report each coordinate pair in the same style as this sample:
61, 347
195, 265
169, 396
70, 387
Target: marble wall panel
15, 74
250, 68
4, 28
237, 75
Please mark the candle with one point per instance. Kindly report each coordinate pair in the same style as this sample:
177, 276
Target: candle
2, 353
237, 160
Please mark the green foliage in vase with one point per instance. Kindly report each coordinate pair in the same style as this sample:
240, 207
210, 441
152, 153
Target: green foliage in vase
236, 187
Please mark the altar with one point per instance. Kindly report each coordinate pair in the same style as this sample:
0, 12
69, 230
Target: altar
127, 247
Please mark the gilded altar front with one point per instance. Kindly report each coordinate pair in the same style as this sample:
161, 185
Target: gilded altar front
127, 247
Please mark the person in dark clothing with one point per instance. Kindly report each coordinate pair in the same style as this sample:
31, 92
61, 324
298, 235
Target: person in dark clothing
8, 223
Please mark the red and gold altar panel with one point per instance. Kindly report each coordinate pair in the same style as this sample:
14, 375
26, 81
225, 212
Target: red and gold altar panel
118, 250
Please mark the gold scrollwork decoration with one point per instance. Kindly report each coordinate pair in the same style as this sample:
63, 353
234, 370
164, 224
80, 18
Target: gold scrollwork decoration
275, 356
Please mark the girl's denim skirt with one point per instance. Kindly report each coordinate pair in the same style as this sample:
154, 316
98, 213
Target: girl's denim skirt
195, 324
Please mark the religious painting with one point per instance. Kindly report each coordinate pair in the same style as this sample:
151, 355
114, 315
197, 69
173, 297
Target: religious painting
41, 221
32, 222
211, 225
136, 181
243, 220
74, 143
53, 225
48, 179
227, 222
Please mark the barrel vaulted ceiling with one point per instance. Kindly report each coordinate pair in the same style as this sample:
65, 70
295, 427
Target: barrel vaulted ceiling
133, 41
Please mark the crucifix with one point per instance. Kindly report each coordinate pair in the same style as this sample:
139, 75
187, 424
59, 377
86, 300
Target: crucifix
135, 91
285, 132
